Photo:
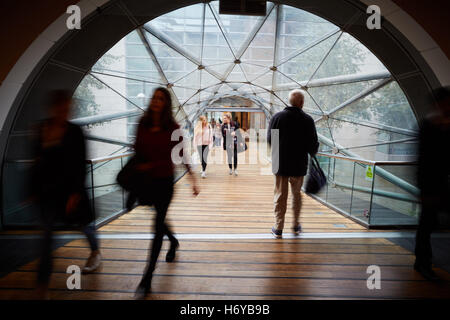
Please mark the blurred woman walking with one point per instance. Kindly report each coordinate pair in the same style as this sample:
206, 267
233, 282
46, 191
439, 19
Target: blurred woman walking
203, 139
153, 149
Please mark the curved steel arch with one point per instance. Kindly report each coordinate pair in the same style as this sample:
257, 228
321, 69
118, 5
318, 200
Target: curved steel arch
71, 58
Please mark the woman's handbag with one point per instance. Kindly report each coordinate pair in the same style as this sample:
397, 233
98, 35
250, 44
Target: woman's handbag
128, 177
241, 148
316, 178
240, 139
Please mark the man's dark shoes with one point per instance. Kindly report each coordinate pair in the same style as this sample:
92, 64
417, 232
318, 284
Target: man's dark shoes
426, 272
170, 256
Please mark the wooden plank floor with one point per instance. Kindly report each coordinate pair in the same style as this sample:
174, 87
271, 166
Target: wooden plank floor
231, 204
290, 268
238, 269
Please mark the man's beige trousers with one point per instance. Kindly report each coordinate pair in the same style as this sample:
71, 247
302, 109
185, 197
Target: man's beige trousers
280, 199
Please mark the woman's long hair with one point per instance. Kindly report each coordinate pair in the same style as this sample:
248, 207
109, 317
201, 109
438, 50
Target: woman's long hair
167, 120
199, 127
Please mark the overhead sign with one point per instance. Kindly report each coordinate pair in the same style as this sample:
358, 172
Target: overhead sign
243, 7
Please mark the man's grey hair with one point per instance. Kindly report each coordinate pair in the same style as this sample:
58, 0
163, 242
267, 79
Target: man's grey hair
297, 98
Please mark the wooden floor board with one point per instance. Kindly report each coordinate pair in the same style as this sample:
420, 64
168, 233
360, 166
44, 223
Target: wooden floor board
224, 269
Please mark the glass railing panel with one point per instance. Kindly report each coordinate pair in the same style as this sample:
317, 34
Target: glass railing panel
325, 164
362, 190
107, 195
340, 184
392, 204
18, 207
108, 202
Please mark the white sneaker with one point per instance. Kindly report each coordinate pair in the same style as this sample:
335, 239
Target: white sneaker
231, 171
93, 262
235, 172
203, 174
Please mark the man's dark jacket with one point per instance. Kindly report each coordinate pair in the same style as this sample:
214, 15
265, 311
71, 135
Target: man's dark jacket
297, 138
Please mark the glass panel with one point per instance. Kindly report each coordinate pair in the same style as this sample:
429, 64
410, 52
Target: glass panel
329, 97
114, 59
190, 108
129, 59
388, 105
282, 82
183, 27
362, 190
339, 189
261, 49
236, 27
294, 35
246, 88
215, 47
225, 89
348, 57
16, 204
302, 67
219, 68
236, 75
107, 194
207, 80
173, 64
392, 205
96, 149
137, 93
324, 163
323, 128
185, 94
252, 70
264, 80
94, 98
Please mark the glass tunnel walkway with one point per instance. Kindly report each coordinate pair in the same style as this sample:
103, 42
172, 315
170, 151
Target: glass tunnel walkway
227, 252
368, 134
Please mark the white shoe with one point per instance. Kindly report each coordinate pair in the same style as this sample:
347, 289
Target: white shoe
231, 171
93, 262
235, 172
203, 174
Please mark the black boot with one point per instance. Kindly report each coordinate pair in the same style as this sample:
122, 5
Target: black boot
170, 256
143, 288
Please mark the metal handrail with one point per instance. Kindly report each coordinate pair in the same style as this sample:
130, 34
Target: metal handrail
382, 193
382, 172
108, 158
364, 161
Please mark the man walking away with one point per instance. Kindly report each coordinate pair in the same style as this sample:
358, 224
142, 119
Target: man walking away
297, 137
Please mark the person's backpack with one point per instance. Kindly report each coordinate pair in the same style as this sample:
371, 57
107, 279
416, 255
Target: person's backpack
316, 178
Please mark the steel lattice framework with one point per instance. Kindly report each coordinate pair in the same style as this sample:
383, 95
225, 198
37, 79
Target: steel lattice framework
201, 57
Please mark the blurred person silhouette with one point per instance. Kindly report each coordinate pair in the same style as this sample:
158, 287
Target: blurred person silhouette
217, 134
433, 178
203, 139
213, 126
297, 138
131, 201
59, 184
153, 149
231, 138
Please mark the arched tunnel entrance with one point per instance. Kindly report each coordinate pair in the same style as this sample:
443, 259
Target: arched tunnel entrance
365, 103
366, 91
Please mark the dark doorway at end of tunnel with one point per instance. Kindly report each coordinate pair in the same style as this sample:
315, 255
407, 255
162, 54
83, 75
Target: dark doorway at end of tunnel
246, 120
441, 252
15, 253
